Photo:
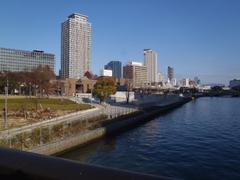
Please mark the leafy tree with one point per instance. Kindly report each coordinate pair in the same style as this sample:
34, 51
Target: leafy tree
104, 87
12, 82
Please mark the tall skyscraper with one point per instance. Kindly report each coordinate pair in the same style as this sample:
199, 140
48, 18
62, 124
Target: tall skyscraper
75, 46
116, 67
137, 73
150, 61
170, 73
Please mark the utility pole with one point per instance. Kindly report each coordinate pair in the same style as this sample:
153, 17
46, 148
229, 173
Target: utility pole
6, 106
91, 95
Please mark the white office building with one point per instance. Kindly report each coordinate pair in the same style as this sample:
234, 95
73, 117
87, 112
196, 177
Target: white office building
185, 82
106, 72
75, 46
150, 61
160, 77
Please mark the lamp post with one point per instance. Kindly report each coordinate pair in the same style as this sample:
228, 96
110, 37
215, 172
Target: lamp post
91, 95
6, 107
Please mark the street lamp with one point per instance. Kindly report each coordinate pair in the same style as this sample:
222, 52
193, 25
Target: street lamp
5, 108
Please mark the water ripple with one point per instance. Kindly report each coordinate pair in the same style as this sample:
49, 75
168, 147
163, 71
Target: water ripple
200, 140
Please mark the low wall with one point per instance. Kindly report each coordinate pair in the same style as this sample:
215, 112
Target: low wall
46, 133
153, 99
24, 165
70, 142
56, 138
146, 115
112, 126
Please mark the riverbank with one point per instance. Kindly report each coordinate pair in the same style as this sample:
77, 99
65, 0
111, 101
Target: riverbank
63, 133
144, 115
114, 126
199, 140
25, 110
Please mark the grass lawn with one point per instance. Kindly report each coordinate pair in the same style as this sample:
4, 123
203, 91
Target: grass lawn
16, 103
24, 110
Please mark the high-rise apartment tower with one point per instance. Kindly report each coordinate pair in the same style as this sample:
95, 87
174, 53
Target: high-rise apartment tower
75, 46
150, 61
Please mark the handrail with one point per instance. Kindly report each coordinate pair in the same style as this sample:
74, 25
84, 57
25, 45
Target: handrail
47, 122
26, 165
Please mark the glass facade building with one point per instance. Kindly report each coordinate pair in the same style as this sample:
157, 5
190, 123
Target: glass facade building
116, 67
170, 73
20, 60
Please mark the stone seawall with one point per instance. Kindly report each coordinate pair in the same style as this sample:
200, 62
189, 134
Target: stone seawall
110, 126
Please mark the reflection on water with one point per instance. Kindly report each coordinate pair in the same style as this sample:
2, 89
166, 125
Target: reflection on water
200, 140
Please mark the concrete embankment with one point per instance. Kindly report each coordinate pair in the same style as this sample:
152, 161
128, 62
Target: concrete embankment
70, 142
142, 116
112, 126
55, 136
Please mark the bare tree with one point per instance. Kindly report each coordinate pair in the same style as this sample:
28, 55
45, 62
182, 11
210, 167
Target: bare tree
129, 87
37, 80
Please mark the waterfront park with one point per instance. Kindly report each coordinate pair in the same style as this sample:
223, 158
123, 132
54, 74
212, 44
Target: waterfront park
22, 110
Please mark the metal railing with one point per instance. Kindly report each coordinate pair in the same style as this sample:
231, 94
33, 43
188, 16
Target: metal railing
45, 133
72, 116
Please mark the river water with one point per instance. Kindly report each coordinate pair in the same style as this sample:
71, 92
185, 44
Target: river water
199, 140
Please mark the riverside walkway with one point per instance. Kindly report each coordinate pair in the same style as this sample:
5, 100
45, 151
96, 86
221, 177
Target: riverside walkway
58, 134
86, 114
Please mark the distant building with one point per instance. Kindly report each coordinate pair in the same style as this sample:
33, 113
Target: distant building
89, 75
185, 82
75, 46
150, 61
234, 83
69, 87
197, 80
134, 63
192, 83
160, 77
121, 97
188, 83
137, 73
66, 87
116, 67
20, 60
204, 88
106, 72
174, 82
170, 73
85, 85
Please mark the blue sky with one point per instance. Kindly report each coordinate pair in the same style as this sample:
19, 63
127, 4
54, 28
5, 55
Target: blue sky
197, 37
